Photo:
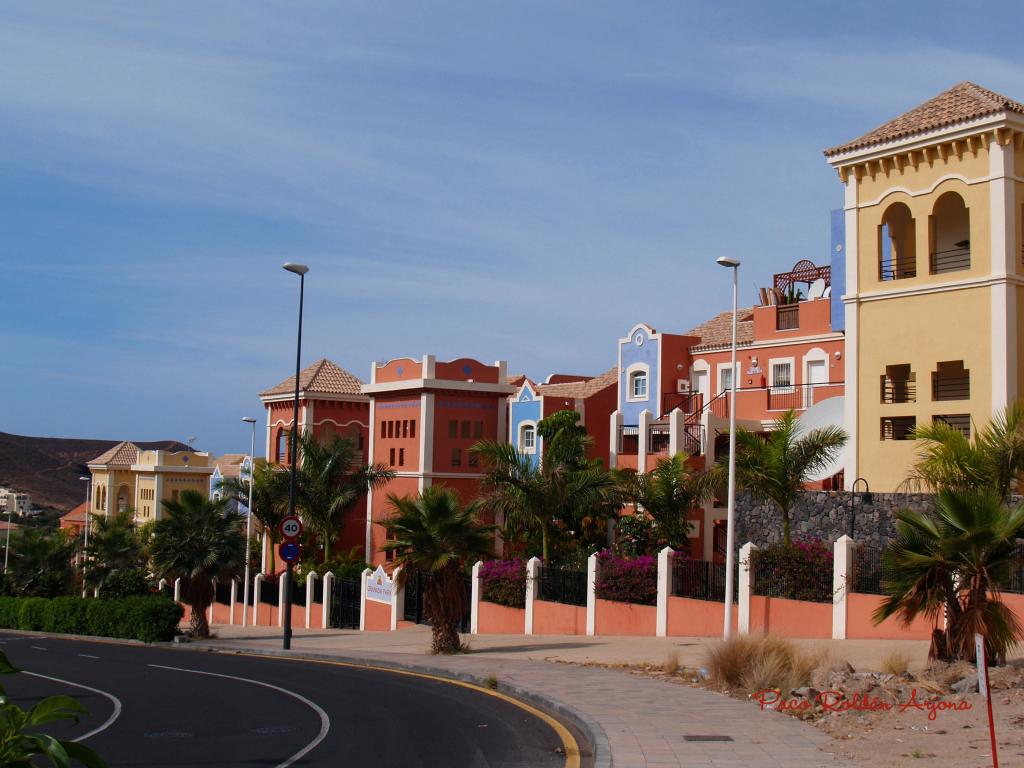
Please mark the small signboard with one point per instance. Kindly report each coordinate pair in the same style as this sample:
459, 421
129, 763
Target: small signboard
290, 527
979, 650
290, 551
379, 586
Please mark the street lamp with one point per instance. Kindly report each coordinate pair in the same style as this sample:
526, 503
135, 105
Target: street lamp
248, 518
88, 516
300, 270
730, 524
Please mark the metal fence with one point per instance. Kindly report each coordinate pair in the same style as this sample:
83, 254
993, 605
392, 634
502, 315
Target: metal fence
345, 603
812, 584
222, 592
559, 585
298, 594
701, 579
318, 591
270, 592
867, 571
1016, 583
415, 591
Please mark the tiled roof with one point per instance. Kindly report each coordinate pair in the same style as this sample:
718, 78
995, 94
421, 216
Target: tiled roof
964, 101
78, 514
230, 464
124, 454
324, 377
581, 389
718, 330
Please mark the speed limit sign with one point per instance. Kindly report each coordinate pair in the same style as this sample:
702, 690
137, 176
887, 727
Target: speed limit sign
290, 527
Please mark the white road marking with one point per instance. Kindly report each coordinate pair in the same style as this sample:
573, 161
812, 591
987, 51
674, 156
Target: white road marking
325, 721
109, 721
88, 656
37, 647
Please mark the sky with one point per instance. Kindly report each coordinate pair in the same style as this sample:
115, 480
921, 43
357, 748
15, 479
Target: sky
520, 181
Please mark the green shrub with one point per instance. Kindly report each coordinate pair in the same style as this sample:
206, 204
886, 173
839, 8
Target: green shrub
127, 582
504, 582
146, 618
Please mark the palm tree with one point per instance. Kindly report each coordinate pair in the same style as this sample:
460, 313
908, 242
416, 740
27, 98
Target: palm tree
114, 546
198, 540
434, 533
40, 562
948, 459
269, 500
776, 468
955, 557
330, 481
667, 494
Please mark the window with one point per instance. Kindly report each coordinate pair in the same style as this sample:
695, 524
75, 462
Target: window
453, 428
527, 437
960, 421
899, 384
782, 375
391, 457
950, 230
456, 457
465, 429
897, 255
478, 430
405, 427
472, 459
391, 429
282, 446
401, 457
725, 380
899, 428
383, 429
412, 428
638, 385
951, 381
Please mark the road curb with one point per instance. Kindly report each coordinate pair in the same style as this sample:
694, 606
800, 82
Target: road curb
590, 729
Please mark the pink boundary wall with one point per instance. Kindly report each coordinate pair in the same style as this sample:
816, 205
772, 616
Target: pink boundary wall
500, 619
378, 616
697, 618
859, 625
558, 619
791, 618
611, 618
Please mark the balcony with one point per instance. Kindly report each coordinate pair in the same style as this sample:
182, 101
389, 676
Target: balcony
952, 260
894, 391
895, 268
798, 397
787, 317
951, 387
658, 439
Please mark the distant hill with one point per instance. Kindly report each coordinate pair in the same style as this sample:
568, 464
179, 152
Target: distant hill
48, 468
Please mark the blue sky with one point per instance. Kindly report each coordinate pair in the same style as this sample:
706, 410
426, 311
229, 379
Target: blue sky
520, 181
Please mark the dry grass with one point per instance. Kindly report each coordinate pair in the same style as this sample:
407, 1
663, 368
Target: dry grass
896, 663
758, 662
671, 665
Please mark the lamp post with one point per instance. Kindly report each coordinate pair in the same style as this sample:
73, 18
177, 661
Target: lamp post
300, 270
248, 518
730, 524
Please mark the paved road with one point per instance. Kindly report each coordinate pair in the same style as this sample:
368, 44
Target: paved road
152, 706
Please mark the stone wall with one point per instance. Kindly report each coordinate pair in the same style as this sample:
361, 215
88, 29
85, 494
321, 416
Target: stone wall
825, 515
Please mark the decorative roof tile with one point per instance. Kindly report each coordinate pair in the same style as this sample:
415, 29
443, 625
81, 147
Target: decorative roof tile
717, 331
581, 389
964, 101
323, 377
124, 454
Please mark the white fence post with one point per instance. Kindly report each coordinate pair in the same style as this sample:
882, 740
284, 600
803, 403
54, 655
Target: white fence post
591, 594
532, 574
474, 599
664, 584
209, 610
162, 584
397, 597
177, 590
362, 598
310, 592
745, 590
231, 604
282, 590
326, 604
842, 584
644, 428
676, 425
257, 588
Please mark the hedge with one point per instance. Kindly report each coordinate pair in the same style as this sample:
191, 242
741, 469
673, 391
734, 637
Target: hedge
149, 618
627, 580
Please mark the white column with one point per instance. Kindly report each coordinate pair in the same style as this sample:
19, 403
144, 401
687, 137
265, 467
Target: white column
591, 594
614, 424
851, 349
326, 604
234, 598
644, 429
397, 597
675, 431
362, 598
310, 592
282, 590
532, 574
474, 600
163, 583
842, 583
209, 610
177, 590
745, 590
257, 588
664, 584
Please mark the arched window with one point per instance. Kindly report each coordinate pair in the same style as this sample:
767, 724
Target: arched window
897, 251
282, 447
638, 385
528, 438
950, 229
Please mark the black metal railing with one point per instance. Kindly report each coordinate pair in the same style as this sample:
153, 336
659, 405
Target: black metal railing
867, 571
787, 317
298, 594
560, 585
270, 592
959, 421
658, 438
952, 260
701, 579
951, 387
415, 592
796, 397
693, 439
810, 584
629, 439
1016, 582
896, 269
222, 592
346, 603
898, 391
899, 428
318, 591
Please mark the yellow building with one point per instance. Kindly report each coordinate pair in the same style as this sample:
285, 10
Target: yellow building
934, 293
129, 477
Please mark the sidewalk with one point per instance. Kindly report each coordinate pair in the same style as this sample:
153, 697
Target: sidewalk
642, 722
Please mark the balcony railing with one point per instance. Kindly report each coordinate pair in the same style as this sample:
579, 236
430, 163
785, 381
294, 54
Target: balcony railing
787, 317
658, 438
898, 391
796, 397
896, 269
629, 440
951, 387
952, 260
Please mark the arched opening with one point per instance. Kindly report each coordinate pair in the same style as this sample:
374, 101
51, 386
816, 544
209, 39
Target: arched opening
950, 227
638, 385
527, 438
897, 251
123, 498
